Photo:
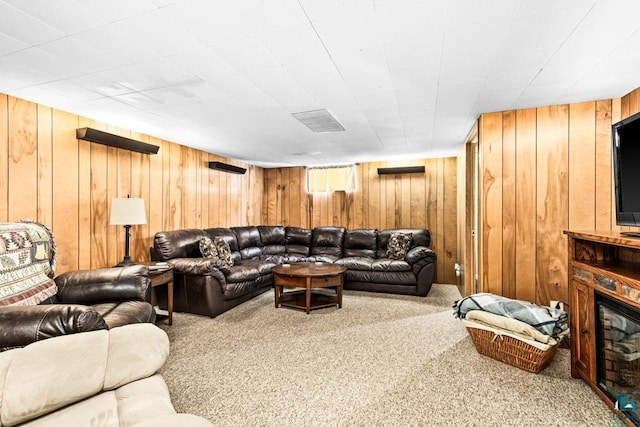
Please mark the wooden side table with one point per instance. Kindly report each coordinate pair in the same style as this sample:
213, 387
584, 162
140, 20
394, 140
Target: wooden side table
160, 277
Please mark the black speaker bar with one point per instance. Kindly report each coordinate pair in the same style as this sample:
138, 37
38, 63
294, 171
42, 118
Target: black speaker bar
226, 168
399, 170
112, 140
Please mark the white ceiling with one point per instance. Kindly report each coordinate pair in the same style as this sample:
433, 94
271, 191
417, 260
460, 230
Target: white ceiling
406, 78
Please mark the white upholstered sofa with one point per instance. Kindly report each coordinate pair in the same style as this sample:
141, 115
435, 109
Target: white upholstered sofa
99, 378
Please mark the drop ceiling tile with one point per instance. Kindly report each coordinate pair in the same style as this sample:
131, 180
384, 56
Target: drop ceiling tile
152, 30
70, 90
38, 66
205, 64
84, 58
9, 44
24, 27
263, 16
140, 100
326, 9
213, 24
120, 50
116, 10
68, 16
294, 44
150, 75
294, 100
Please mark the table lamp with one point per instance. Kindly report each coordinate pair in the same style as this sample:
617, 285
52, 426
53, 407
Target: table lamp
127, 212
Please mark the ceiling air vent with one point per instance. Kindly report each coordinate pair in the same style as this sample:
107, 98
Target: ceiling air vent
319, 121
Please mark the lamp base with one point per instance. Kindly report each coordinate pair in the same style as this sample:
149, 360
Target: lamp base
125, 262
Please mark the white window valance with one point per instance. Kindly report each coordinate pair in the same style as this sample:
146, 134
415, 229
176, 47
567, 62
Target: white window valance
331, 178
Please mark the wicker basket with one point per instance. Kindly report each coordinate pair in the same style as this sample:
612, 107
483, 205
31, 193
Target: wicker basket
511, 350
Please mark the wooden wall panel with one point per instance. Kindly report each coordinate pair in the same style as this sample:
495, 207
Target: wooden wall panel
582, 165
393, 201
23, 160
525, 219
45, 172
561, 179
449, 252
84, 199
491, 179
552, 202
4, 157
68, 185
65, 189
508, 203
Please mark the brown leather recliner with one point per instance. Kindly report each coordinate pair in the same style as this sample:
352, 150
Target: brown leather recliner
86, 300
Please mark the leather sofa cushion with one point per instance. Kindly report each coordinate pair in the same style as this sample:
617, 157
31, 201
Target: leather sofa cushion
297, 240
371, 264
178, 244
356, 263
228, 235
240, 289
273, 239
242, 273
362, 242
264, 267
387, 264
327, 241
390, 277
248, 241
420, 237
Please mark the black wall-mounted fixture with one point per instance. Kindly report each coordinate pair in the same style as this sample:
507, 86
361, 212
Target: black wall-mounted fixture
226, 168
112, 140
399, 170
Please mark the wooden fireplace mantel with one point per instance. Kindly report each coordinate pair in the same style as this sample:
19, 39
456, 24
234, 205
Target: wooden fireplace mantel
609, 263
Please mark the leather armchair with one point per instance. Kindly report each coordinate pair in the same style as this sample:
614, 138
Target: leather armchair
87, 300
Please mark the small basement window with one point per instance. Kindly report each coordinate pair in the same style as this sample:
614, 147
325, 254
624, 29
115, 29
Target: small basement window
331, 178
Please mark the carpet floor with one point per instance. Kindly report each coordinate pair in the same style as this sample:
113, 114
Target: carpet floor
380, 360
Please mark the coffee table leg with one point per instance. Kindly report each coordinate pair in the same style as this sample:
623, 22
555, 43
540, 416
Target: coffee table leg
170, 302
339, 290
277, 289
308, 294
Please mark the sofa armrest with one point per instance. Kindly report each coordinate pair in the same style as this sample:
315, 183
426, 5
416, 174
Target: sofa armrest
104, 285
420, 253
24, 324
199, 266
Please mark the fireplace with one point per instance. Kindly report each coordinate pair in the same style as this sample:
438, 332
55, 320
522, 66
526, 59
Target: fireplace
618, 352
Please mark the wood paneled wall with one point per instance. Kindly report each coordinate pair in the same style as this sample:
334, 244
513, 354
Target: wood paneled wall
47, 175
542, 171
387, 201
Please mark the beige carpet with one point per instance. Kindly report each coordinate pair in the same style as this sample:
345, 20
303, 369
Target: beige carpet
380, 360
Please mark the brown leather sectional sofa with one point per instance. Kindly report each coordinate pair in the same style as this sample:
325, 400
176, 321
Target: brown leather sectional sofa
201, 287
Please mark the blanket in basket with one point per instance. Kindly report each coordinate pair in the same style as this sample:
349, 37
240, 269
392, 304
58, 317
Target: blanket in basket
550, 321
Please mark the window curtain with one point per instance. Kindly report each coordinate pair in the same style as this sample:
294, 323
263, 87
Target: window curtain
334, 178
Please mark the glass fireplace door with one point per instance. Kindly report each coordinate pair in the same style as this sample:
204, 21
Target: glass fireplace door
618, 354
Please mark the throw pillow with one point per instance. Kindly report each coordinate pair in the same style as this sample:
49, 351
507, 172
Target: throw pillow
398, 245
224, 251
207, 248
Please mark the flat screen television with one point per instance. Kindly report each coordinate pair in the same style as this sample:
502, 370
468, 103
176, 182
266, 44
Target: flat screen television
625, 136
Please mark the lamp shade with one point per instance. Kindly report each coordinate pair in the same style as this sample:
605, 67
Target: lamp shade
127, 211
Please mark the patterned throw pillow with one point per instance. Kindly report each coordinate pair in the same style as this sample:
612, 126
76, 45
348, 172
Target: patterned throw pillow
207, 248
398, 245
224, 251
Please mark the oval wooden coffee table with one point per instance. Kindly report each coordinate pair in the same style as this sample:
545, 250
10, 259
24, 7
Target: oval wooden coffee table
313, 283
